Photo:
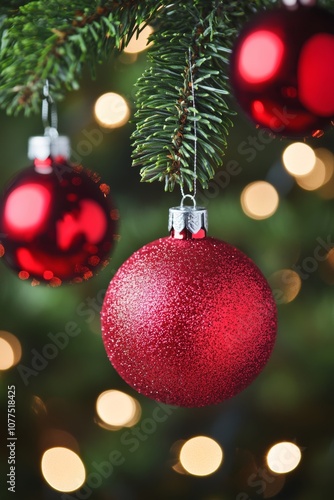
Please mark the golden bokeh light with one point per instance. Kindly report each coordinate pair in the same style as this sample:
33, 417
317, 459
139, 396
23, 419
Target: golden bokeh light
111, 110
286, 285
327, 158
117, 409
63, 469
327, 268
38, 407
283, 457
330, 258
139, 43
315, 179
299, 159
177, 467
6, 355
201, 456
259, 200
10, 350
326, 191
58, 438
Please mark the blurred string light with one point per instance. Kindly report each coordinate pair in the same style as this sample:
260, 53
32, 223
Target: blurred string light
311, 169
286, 285
63, 469
201, 456
326, 190
10, 350
58, 438
259, 200
327, 158
117, 409
315, 179
283, 457
38, 407
330, 258
299, 159
111, 110
327, 268
139, 43
175, 450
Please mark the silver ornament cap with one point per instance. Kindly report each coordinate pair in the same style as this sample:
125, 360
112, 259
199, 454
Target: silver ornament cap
190, 220
41, 147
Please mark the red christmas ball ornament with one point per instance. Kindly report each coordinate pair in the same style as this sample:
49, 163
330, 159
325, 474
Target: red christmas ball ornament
188, 320
57, 220
281, 71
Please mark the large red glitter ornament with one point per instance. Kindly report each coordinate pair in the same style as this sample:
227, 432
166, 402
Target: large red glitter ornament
282, 73
57, 221
188, 320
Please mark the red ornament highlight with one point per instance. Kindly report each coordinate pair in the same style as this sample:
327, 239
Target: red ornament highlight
316, 86
255, 69
57, 224
189, 322
281, 72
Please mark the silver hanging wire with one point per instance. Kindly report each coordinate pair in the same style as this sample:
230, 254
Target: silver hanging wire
49, 111
184, 196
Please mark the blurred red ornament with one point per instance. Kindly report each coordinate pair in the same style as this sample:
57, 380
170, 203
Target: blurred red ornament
189, 320
282, 73
57, 223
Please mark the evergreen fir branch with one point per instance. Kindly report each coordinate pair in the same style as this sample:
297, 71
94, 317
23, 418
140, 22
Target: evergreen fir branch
328, 4
55, 39
11, 6
163, 140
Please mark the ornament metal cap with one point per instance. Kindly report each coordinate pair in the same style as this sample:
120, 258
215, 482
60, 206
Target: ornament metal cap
187, 222
41, 147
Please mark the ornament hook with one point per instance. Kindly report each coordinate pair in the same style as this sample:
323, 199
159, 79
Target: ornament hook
49, 107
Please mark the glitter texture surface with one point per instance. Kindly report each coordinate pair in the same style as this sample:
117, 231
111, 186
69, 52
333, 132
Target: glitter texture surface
189, 322
57, 224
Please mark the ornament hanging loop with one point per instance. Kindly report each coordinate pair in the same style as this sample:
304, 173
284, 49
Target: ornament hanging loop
188, 196
49, 108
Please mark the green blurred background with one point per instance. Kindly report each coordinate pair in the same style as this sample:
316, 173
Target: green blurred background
292, 400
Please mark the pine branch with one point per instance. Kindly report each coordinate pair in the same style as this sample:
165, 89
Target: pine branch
164, 140
11, 6
54, 40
